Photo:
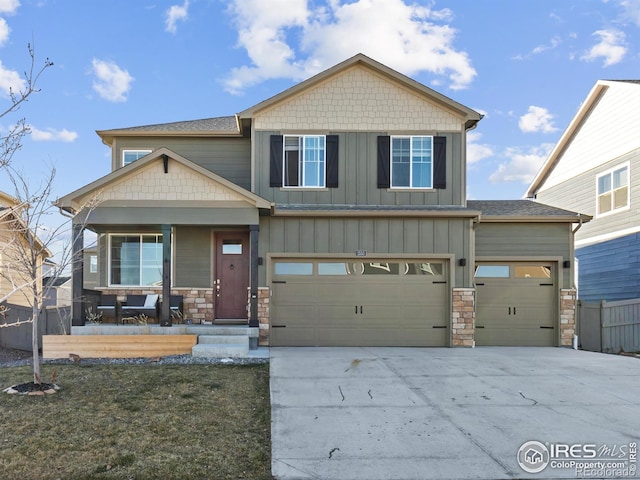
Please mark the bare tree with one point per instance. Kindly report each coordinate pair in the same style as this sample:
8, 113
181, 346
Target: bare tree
30, 239
12, 141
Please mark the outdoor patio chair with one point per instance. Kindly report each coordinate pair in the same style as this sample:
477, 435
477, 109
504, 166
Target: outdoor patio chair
176, 306
141, 305
108, 306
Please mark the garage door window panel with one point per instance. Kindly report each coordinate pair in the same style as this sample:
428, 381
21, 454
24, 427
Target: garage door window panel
432, 269
293, 268
336, 268
492, 271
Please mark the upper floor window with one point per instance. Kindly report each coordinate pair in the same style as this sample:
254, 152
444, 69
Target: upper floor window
613, 190
411, 162
304, 161
129, 156
93, 264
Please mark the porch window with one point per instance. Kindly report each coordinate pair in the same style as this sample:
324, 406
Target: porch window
135, 260
129, 156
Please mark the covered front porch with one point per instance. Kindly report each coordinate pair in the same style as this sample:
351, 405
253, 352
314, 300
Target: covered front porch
166, 228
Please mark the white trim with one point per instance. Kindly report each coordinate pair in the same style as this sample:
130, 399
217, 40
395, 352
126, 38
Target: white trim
409, 187
607, 236
609, 172
146, 152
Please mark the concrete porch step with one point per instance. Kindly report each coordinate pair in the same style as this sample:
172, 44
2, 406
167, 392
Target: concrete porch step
223, 339
220, 350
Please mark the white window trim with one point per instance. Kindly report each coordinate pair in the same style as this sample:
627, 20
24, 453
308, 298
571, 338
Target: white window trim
610, 171
301, 162
132, 234
146, 151
409, 187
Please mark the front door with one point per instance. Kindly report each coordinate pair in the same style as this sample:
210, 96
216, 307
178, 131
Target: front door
232, 275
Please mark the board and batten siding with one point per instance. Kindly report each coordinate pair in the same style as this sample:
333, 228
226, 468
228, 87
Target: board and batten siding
358, 175
520, 240
579, 194
192, 257
228, 157
610, 131
419, 236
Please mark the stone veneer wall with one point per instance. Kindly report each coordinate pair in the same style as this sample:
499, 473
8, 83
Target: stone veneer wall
264, 297
198, 302
567, 316
464, 317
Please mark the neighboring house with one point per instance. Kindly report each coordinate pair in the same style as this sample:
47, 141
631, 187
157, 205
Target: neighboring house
57, 291
333, 213
595, 169
15, 279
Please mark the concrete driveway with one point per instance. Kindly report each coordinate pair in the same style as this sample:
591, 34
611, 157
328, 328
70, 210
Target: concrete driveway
409, 413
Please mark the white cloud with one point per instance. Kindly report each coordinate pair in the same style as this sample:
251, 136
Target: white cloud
112, 83
523, 164
52, 135
4, 31
176, 13
407, 37
631, 9
477, 151
611, 47
538, 119
9, 7
10, 79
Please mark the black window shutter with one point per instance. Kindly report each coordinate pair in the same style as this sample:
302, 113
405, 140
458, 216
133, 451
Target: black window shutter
384, 161
275, 162
440, 162
332, 161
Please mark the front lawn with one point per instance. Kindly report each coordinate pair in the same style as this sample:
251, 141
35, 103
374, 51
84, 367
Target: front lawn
138, 422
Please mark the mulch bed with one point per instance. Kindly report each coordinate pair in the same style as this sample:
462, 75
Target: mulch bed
32, 388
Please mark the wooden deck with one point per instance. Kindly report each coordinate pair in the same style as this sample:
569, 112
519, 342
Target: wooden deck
116, 346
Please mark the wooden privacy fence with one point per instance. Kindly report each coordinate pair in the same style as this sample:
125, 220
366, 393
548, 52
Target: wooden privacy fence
53, 321
609, 327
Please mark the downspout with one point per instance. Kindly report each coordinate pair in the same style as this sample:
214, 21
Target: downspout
575, 305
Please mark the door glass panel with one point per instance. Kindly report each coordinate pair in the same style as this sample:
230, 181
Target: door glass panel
293, 268
426, 268
492, 271
532, 271
335, 268
377, 268
232, 247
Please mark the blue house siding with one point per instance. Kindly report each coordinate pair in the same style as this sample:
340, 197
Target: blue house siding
610, 270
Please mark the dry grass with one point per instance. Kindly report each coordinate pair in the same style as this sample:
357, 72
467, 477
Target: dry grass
139, 422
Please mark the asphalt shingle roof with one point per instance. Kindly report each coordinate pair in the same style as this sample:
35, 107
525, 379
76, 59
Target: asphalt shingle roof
226, 124
518, 208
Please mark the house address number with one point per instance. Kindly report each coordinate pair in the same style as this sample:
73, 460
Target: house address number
361, 253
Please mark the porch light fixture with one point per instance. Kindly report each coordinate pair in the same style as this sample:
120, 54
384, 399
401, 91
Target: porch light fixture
462, 262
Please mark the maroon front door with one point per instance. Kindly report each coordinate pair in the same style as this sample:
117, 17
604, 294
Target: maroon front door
232, 275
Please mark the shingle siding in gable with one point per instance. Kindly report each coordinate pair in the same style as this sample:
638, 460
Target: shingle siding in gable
358, 100
610, 270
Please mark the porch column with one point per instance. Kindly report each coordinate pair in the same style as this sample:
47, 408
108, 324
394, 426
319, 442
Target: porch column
253, 240
165, 311
77, 275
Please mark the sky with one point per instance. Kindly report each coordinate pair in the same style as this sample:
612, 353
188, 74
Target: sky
525, 65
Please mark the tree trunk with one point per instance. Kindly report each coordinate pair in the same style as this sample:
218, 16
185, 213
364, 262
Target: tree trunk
34, 341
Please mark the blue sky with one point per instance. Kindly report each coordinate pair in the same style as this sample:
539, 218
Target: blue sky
526, 66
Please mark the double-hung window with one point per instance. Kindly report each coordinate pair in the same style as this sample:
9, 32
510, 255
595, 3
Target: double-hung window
129, 156
135, 260
613, 190
304, 162
412, 162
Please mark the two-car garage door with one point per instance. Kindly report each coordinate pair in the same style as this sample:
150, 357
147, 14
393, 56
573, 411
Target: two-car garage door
338, 302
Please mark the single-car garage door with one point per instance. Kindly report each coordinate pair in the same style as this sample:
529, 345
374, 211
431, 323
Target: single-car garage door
328, 302
516, 304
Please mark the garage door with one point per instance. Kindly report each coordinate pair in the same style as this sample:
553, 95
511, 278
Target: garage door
516, 304
356, 303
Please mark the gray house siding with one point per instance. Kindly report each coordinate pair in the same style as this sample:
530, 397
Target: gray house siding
358, 175
579, 194
228, 157
375, 235
521, 240
192, 257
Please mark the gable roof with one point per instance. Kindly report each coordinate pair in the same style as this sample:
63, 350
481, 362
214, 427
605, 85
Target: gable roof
72, 201
215, 126
524, 211
471, 116
594, 96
